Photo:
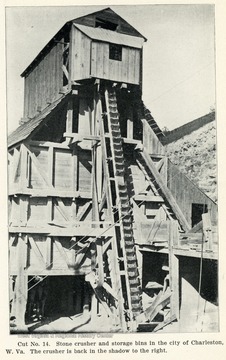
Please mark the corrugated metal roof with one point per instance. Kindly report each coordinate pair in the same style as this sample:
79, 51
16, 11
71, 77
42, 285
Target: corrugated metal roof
111, 36
24, 130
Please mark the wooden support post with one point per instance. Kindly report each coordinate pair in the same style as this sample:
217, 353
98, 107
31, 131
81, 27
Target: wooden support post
23, 210
165, 190
16, 163
26, 251
99, 247
94, 304
207, 230
50, 178
140, 264
130, 123
24, 181
99, 172
20, 293
69, 121
75, 183
48, 252
50, 208
50, 164
174, 269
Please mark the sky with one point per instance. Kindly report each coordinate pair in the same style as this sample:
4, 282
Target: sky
178, 60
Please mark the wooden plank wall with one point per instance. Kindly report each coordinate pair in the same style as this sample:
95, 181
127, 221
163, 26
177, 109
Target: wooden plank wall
44, 82
63, 169
49, 172
127, 70
151, 141
35, 261
46, 191
186, 193
79, 55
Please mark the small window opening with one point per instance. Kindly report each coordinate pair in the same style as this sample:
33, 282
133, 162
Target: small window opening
105, 24
115, 52
197, 211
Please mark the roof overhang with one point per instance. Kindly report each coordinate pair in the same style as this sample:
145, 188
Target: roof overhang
103, 35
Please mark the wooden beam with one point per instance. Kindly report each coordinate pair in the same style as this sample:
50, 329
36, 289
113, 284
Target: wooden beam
62, 251
49, 209
207, 230
48, 252
92, 280
164, 323
165, 190
84, 210
24, 180
36, 250
160, 164
50, 192
39, 167
130, 122
16, 162
69, 119
23, 207
50, 164
174, 269
149, 198
65, 71
82, 254
47, 144
62, 230
100, 263
55, 272
20, 299
182, 251
61, 208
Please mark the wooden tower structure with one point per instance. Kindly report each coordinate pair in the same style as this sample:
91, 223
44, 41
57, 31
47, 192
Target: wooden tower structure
90, 187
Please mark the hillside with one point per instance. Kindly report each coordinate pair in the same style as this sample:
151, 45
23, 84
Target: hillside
194, 151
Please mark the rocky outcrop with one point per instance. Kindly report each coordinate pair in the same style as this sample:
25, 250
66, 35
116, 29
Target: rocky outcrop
194, 152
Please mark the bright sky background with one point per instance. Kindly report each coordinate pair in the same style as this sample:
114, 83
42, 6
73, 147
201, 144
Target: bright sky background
179, 59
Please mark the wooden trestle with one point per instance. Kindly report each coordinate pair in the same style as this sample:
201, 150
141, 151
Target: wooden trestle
77, 216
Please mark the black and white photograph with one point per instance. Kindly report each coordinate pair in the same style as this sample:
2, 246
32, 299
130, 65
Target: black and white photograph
112, 169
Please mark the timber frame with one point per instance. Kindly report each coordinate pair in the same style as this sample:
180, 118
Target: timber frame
91, 193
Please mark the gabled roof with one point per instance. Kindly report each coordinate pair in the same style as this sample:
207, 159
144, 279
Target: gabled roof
110, 36
65, 30
109, 12
26, 129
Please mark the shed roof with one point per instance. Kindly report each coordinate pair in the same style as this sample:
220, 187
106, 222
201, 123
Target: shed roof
114, 37
26, 129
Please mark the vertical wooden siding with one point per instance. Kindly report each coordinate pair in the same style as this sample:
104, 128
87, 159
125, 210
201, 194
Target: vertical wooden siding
91, 58
151, 141
46, 174
80, 55
63, 170
127, 70
43, 83
186, 193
